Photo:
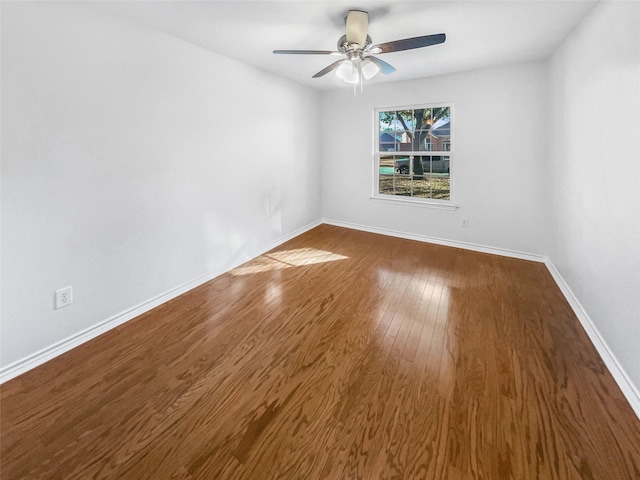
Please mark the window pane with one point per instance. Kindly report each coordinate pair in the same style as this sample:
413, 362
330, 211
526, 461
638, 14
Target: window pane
441, 186
387, 142
405, 120
387, 121
423, 141
402, 165
386, 164
441, 115
441, 180
435, 164
421, 187
404, 138
441, 130
402, 185
422, 118
385, 185
421, 164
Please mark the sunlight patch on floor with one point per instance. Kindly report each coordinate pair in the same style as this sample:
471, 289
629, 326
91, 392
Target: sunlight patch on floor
287, 259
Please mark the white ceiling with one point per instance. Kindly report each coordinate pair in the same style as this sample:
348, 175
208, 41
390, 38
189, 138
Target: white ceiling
479, 33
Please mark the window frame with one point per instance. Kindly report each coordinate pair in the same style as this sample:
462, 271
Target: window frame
401, 199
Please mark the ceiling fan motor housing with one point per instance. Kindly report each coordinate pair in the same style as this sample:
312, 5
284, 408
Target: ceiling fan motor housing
344, 46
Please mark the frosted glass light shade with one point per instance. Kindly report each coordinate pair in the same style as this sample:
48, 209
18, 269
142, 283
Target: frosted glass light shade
348, 72
369, 69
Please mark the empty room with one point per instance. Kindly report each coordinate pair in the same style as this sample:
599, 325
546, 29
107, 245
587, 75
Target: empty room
320, 240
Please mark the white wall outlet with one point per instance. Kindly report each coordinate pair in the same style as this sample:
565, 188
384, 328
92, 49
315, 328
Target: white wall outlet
464, 222
64, 297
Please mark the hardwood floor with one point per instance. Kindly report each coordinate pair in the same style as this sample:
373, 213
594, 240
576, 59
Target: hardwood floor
340, 354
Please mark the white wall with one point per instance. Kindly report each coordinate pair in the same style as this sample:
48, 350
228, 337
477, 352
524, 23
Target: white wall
499, 157
133, 163
595, 95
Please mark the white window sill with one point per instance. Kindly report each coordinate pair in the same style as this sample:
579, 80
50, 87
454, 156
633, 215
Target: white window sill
424, 203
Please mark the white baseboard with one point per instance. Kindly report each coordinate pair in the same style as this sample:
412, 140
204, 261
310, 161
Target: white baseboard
629, 390
38, 358
440, 241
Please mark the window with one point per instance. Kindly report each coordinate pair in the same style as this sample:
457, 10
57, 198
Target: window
413, 153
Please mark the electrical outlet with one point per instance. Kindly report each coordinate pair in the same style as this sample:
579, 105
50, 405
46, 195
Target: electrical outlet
464, 222
64, 297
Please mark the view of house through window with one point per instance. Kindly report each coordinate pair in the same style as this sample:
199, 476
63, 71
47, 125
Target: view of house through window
413, 152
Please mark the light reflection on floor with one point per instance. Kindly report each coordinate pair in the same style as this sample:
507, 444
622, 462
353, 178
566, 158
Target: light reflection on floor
287, 259
425, 300
273, 294
419, 289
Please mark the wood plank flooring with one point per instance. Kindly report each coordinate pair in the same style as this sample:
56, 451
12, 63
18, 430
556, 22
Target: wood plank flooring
339, 355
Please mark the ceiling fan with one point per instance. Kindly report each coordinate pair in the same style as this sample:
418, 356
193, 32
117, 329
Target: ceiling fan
356, 45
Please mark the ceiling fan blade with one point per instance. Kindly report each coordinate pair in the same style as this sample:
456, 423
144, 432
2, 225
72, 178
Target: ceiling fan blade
326, 70
357, 23
409, 43
384, 67
305, 52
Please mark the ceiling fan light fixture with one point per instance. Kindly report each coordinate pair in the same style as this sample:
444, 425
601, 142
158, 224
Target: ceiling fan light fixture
348, 72
369, 69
